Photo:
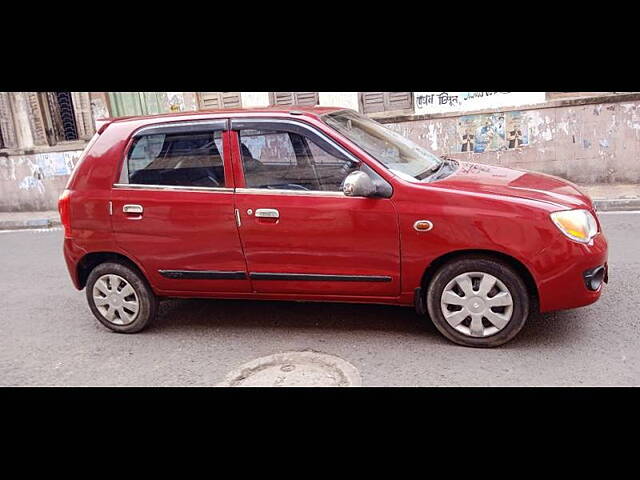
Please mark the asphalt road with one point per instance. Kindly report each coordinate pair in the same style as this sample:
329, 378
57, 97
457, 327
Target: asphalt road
48, 335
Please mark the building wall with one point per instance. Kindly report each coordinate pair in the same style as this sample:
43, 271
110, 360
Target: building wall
33, 182
587, 137
590, 143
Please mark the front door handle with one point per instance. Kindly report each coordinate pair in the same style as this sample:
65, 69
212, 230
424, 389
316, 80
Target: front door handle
133, 209
267, 213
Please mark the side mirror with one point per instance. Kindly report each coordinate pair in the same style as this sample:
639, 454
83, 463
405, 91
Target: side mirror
359, 184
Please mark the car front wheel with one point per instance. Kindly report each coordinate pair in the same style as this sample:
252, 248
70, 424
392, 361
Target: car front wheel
478, 301
120, 298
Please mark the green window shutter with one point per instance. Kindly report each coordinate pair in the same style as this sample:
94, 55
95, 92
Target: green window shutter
152, 102
126, 104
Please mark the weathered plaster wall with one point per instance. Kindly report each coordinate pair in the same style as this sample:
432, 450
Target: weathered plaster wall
99, 105
596, 143
593, 143
34, 182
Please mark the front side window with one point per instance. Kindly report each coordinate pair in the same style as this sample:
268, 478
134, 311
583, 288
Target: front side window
399, 154
278, 158
191, 159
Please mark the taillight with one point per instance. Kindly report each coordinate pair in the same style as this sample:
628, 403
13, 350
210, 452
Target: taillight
64, 207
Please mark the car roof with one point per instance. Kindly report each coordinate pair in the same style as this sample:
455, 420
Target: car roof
230, 112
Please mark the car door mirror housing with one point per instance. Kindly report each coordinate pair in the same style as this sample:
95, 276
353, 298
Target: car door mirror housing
359, 184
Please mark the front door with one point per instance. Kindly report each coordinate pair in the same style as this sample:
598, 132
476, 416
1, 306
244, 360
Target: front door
300, 233
173, 210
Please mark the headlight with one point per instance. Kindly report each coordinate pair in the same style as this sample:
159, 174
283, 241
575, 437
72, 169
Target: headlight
578, 225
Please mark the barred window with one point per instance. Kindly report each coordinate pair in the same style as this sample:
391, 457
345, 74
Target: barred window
62, 117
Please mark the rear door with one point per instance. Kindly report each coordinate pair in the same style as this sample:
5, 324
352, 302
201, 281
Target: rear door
300, 233
173, 209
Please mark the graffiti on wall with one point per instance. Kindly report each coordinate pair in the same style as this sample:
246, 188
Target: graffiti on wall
443, 102
175, 101
492, 132
98, 109
44, 165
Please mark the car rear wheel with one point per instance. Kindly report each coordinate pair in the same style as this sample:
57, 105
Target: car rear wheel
120, 298
478, 301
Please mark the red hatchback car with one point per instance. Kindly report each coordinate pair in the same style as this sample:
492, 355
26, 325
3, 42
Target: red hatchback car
320, 204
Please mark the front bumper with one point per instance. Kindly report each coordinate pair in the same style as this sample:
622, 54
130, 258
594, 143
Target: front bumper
595, 277
566, 272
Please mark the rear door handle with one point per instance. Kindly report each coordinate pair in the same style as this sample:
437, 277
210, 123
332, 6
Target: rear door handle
267, 213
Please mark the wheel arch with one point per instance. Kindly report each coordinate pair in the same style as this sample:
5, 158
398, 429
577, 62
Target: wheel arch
93, 259
513, 262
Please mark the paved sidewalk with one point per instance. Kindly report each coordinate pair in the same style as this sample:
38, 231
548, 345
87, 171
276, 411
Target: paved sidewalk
606, 198
624, 196
25, 220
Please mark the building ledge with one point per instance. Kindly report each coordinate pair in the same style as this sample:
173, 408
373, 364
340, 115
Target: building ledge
60, 147
564, 102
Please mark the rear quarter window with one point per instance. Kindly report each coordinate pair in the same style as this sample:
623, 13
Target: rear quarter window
187, 159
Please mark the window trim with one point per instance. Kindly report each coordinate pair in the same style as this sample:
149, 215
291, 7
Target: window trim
173, 127
139, 186
238, 124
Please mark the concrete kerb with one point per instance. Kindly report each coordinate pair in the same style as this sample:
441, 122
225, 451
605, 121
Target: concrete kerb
29, 224
617, 204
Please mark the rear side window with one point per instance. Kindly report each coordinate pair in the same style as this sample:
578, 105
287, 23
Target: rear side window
187, 159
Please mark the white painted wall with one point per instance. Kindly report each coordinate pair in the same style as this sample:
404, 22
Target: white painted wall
254, 99
441, 102
339, 99
326, 99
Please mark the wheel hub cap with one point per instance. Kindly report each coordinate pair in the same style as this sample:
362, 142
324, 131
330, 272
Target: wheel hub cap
116, 299
477, 304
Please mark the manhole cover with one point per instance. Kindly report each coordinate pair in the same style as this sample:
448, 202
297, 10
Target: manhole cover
295, 369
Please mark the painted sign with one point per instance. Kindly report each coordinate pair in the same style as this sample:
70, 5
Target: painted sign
443, 102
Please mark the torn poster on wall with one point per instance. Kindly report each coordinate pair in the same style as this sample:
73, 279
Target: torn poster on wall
492, 132
443, 102
45, 165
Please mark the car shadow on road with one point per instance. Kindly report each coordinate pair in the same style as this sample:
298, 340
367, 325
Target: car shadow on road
198, 314
183, 313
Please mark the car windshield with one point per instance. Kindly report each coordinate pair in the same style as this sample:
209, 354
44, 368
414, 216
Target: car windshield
399, 154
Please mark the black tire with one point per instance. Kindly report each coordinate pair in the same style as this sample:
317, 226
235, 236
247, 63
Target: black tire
147, 301
503, 272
